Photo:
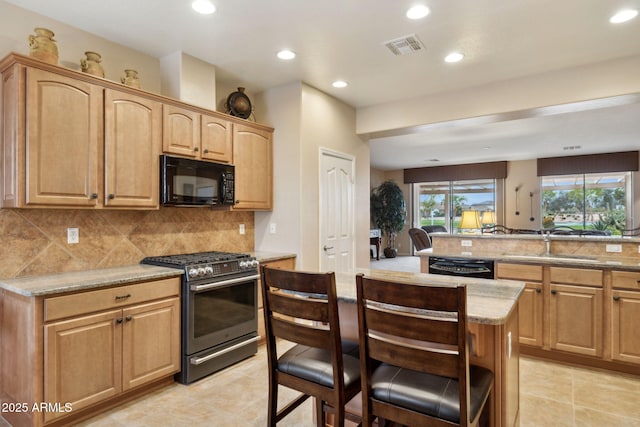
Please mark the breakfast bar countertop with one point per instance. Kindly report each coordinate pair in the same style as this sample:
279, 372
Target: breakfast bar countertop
488, 301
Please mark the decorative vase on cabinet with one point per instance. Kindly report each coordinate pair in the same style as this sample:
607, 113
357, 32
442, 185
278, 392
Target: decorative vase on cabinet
42, 46
130, 78
91, 65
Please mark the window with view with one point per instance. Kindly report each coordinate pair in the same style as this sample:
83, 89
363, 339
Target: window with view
442, 203
586, 201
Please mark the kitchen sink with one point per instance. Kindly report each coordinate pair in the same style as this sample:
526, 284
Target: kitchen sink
551, 258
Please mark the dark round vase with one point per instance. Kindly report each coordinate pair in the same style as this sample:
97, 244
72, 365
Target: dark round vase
390, 252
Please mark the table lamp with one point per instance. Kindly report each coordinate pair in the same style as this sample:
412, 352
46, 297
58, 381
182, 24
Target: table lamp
470, 221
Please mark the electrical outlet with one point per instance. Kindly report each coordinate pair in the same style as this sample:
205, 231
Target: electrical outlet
272, 228
614, 248
73, 236
466, 243
241, 228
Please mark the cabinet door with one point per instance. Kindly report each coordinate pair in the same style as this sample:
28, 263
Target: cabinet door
576, 319
180, 131
150, 342
625, 339
133, 130
530, 308
64, 133
82, 360
253, 158
216, 139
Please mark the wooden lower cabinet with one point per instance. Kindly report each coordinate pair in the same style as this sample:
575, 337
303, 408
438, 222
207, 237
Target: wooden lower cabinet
575, 319
625, 316
85, 352
531, 302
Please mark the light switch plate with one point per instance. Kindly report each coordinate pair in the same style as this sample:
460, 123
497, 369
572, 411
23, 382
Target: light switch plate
272, 228
241, 228
614, 248
466, 243
73, 236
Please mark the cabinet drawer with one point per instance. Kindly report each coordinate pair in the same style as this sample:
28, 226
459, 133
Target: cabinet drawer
104, 299
626, 279
576, 276
519, 272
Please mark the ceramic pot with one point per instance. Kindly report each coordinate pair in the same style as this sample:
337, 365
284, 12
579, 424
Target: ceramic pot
130, 78
91, 65
42, 46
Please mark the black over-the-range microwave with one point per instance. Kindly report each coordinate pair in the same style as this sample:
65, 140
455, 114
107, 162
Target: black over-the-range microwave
188, 182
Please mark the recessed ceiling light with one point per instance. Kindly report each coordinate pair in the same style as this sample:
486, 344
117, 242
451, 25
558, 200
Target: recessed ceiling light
623, 16
204, 7
454, 57
286, 54
339, 84
418, 12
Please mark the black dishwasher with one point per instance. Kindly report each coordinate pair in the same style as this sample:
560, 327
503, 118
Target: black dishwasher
463, 267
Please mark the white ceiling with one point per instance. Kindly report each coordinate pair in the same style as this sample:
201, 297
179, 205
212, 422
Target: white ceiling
343, 39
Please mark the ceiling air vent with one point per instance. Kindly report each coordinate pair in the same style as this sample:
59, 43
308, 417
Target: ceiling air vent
404, 45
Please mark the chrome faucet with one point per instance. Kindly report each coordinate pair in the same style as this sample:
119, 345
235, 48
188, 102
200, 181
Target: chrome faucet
547, 241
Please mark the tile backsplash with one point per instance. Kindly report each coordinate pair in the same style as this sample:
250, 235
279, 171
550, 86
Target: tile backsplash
34, 241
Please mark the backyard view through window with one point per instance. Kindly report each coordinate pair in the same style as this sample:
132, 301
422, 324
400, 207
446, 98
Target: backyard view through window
586, 201
442, 203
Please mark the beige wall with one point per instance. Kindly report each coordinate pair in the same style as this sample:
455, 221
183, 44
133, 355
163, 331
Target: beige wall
307, 120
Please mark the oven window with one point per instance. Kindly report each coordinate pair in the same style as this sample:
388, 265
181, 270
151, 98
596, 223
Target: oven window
222, 308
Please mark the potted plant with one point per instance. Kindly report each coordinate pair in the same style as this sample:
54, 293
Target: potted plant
388, 213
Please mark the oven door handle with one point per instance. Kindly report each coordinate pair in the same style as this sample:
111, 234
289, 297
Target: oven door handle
199, 360
198, 288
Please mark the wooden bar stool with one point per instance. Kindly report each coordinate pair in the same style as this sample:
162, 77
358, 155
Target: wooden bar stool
419, 335
302, 307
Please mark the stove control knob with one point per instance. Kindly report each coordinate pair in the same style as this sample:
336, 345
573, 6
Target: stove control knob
254, 263
193, 272
208, 270
201, 271
243, 264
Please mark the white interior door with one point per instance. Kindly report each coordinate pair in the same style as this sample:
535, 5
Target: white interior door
337, 216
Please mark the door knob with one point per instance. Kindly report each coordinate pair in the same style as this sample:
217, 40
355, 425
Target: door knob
326, 248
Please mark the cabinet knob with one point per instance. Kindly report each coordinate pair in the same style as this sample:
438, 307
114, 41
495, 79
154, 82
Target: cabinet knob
128, 318
112, 196
538, 290
196, 149
94, 196
616, 298
553, 292
119, 320
206, 150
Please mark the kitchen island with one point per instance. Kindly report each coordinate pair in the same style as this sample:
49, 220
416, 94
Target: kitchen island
492, 311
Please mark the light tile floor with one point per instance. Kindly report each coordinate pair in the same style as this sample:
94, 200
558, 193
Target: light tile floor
550, 395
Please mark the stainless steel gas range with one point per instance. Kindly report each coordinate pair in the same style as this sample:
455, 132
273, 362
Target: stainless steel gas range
219, 310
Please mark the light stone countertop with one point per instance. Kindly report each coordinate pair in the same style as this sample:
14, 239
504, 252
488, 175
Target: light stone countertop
488, 301
52, 284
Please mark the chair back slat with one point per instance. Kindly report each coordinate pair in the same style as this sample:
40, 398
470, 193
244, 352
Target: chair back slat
301, 334
312, 283
436, 362
413, 326
422, 297
301, 307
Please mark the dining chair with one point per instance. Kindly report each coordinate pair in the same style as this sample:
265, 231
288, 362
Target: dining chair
417, 334
301, 308
420, 238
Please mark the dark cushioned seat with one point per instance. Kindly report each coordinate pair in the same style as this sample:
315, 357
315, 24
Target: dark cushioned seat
314, 364
430, 394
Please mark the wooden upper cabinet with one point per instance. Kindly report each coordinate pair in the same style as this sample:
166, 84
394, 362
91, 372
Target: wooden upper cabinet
216, 139
253, 159
133, 137
63, 140
181, 131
